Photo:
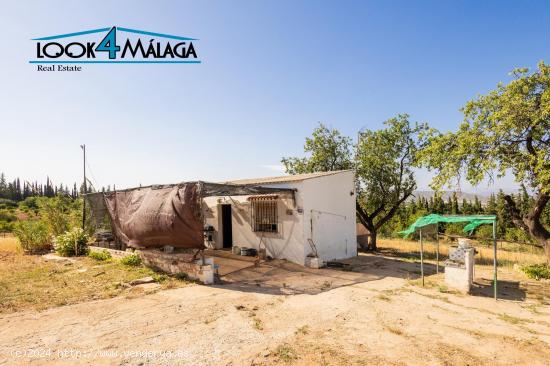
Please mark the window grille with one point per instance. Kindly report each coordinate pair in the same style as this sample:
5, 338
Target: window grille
263, 214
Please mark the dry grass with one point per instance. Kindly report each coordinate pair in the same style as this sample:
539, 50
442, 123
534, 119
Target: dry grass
30, 282
507, 255
10, 244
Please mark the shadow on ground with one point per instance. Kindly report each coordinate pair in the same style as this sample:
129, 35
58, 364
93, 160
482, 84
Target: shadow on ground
507, 290
284, 278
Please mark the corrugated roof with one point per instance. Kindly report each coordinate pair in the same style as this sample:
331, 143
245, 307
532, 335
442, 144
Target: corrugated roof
285, 178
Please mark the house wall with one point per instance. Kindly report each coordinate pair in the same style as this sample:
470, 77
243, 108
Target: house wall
324, 201
329, 215
287, 243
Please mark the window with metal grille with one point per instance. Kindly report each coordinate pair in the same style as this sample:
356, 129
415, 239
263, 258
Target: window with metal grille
263, 214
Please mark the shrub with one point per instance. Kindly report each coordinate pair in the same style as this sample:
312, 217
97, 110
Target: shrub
6, 226
7, 216
6, 203
131, 260
104, 255
537, 271
73, 242
60, 213
33, 236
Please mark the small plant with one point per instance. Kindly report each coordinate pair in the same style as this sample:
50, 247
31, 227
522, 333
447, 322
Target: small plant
159, 277
442, 288
131, 260
303, 330
286, 353
182, 276
71, 243
258, 324
101, 256
33, 236
537, 271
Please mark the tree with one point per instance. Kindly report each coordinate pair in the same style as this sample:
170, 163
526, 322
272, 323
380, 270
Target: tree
385, 159
328, 150
383, 163
506, 130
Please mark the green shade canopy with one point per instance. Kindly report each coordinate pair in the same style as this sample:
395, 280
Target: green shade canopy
473, 222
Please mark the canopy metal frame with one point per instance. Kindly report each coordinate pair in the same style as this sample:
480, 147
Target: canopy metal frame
484, 219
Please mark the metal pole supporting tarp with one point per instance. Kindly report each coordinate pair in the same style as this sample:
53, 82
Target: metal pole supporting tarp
437, 248
421, 257
495, 256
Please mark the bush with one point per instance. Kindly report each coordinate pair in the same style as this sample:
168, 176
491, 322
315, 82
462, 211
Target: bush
33, 236
131, 260
6, 226
6, 203
537, 271
60, 213
104, 255
71, 243
7, 216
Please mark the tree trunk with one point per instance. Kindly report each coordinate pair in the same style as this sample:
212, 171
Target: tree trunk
530, 223
372, 242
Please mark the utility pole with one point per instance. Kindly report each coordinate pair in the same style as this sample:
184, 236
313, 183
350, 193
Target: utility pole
85, 189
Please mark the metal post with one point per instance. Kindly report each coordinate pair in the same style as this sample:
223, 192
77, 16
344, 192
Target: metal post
421, 257
85, 189
495, 265
437, 250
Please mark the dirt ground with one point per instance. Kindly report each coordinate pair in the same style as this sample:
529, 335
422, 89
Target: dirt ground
372, 312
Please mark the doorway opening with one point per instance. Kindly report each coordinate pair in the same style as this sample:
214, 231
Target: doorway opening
227, 228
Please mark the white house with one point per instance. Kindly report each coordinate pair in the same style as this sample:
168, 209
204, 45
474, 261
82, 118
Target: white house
316, 218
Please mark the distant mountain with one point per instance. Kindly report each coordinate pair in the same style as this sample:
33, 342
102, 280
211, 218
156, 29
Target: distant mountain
447, 194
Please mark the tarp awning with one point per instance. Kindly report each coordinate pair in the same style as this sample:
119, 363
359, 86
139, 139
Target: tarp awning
160, 215
473, 222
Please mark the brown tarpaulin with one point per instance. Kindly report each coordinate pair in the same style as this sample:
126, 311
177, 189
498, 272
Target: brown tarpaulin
154, 217
161, 215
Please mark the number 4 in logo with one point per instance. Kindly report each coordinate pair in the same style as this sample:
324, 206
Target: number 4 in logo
108, 44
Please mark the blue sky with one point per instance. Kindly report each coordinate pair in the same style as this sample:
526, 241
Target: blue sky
271, 71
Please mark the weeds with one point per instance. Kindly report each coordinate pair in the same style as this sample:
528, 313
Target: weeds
286, 353
512, 319
132, 260
101, 256
258, 324
537, 271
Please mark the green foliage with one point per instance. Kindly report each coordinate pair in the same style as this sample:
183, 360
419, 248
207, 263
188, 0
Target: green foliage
71, 243
182, 276
60, 213
6, 226
537, 271
33, 236
131, 260
327, 150
7, 203
101, 256
384, 160
7, 216
29, 204
507, 129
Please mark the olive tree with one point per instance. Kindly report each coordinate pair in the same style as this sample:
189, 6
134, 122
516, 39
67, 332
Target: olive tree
506, 130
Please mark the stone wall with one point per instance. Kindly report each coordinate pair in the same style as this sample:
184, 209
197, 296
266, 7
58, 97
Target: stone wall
175, 263
114, 253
